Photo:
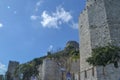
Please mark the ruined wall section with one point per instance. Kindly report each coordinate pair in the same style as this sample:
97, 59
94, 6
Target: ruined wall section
50, 70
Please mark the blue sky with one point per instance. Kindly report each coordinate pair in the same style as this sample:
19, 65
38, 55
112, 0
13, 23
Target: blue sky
30, 28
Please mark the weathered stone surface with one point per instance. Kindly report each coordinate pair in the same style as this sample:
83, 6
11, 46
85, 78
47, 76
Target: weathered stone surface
75, 69
11, 69
57, 68
49, 70
40, 75
99, 25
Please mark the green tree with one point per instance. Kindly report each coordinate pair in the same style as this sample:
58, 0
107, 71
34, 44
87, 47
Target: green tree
102, 56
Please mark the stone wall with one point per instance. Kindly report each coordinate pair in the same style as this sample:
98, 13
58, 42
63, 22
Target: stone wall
49, 70
113, 18
99, 25
57, 68
109, 73
102, 73
40, 75
75, 69
85, 43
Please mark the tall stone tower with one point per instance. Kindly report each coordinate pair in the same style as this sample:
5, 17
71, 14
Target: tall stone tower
11, 69
99, 25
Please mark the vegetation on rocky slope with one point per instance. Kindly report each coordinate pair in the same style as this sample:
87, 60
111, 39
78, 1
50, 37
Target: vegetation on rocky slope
31, 68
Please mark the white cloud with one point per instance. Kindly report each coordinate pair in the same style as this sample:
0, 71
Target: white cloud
34, 17
50, 48
38, 4
49, 21
74, 25
57, 18
1, 25
3, 68
54, 19
62, 14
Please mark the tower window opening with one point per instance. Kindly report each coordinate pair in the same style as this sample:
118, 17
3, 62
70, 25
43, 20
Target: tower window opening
85, 74
93, 71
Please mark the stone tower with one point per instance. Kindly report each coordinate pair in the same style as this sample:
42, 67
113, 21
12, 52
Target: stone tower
99, 25
11, 69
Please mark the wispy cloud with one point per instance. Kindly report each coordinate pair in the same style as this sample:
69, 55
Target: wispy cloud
74, 25
1, 25
38, 4
3, 68
50, 48
56, 18
34, 17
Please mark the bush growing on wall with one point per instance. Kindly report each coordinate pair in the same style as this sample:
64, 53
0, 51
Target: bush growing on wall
102, 56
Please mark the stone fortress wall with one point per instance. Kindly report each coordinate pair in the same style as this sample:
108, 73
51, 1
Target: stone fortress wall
56, 69
50, 70
75, 69
99, 25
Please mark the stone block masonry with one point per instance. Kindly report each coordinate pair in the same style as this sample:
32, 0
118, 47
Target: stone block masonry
99, 25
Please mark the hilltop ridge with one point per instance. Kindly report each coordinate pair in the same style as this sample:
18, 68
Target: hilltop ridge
62, 58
